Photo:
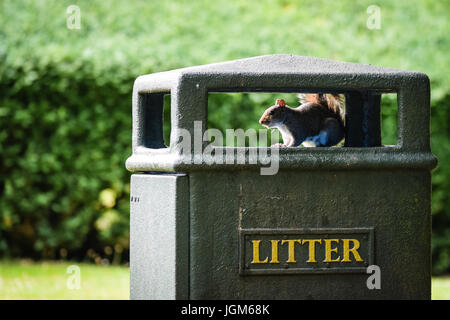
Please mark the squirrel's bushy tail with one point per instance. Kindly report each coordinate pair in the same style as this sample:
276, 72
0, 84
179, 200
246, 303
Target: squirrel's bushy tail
334, 102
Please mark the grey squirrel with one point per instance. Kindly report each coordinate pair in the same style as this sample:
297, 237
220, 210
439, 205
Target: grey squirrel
318, 121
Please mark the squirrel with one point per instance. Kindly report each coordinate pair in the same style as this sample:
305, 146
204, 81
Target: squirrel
318, 121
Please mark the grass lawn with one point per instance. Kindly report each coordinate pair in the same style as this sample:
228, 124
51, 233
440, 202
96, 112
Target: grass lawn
56, 280
53, 280
440, 288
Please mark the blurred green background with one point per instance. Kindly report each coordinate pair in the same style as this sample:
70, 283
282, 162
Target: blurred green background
65, 100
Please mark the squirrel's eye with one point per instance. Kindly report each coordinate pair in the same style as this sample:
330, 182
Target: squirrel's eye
271, 113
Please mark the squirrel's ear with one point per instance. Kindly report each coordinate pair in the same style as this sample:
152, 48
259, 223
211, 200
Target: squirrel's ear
280, 102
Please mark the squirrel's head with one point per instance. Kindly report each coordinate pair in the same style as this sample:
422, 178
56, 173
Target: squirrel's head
274, 115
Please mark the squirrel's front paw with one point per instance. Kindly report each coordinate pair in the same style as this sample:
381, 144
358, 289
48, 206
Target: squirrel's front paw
278, 145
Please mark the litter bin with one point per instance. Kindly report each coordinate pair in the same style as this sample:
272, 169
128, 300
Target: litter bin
350, 222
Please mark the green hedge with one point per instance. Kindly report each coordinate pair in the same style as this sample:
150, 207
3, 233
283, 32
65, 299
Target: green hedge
65, 98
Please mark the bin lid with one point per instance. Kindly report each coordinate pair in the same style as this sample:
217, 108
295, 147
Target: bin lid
189, 88
289, 63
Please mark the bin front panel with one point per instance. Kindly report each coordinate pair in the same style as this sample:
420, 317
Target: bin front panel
242, 227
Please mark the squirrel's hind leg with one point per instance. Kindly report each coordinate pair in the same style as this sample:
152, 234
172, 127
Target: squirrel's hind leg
331, 134
321, 140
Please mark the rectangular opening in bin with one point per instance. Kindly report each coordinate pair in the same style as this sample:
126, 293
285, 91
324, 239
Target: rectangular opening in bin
370, 117
234, 111
154, 120
389, 116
